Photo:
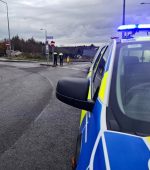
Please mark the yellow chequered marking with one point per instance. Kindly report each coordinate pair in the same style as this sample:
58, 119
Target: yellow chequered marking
103, 87
89, 94
89, 74
83, 112
148, 140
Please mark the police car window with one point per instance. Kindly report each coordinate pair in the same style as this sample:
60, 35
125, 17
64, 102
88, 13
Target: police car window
97, 77
143, 55
98, 57
137, 53
133, 81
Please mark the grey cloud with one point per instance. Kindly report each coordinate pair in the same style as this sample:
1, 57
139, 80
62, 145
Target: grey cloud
71, 21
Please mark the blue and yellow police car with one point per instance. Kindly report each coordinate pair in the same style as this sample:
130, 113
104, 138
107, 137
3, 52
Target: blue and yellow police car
115, 98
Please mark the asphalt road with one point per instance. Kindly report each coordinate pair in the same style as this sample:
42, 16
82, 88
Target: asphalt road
37, 132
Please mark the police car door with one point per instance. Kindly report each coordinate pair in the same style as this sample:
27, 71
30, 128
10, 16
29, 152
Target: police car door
91, 129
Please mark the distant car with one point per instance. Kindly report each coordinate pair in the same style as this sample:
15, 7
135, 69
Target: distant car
115, 129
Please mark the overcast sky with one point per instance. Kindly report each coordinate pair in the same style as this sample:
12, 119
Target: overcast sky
70, 21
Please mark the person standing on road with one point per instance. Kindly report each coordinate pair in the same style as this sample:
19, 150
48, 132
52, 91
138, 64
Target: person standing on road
61, 59
55, 59
68, 60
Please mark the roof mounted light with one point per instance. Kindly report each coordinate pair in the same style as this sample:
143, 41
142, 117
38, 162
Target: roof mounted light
134, 28
126, 27
144, 26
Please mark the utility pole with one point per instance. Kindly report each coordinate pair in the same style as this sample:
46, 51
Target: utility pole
123, 15
8, 26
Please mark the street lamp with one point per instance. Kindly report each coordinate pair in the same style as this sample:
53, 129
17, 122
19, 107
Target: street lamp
46, 45
45, 34
8, 25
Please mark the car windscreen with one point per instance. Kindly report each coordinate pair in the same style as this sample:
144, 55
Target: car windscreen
133, 80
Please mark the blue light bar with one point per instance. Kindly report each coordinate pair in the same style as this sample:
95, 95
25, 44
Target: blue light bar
144, 26
134, 28
126, 27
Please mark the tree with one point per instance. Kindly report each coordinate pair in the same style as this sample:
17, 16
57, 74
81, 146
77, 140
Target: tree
28, 46
2, 48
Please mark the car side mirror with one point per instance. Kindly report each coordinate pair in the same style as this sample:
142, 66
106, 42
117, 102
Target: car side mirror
74, 91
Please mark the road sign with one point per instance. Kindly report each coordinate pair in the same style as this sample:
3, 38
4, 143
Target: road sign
7, 44
52, 43
49, 37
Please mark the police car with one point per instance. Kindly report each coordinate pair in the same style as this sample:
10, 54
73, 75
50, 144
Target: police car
115, 128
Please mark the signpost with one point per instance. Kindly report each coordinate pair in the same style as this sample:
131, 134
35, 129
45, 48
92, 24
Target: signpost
48, 37
47, 51
47, 47
53, 46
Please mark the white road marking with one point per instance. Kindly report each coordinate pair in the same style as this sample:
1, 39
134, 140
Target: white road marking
74, 68
53, 93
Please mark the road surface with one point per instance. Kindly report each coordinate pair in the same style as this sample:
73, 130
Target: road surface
37, 132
